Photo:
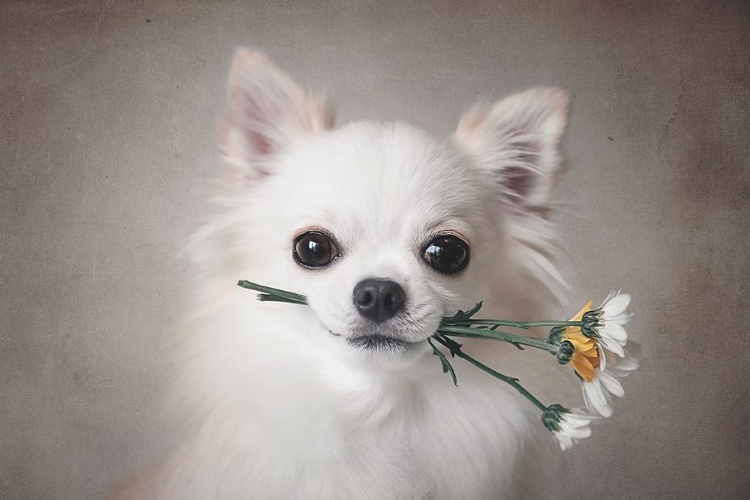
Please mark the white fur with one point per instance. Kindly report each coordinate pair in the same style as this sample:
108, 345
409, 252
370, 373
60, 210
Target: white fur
275, 406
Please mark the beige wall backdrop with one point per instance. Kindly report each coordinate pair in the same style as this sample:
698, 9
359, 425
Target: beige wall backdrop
108, 117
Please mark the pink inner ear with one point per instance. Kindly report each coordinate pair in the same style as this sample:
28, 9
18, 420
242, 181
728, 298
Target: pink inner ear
262, 118
260, 144
522, 181
519, 181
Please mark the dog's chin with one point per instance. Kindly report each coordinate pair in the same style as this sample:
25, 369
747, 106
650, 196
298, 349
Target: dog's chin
384, 354
379, 349
376, 342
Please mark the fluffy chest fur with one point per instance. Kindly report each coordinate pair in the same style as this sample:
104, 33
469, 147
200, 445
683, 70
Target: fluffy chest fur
292, 421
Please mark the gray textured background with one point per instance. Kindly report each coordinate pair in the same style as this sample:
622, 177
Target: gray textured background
107, 145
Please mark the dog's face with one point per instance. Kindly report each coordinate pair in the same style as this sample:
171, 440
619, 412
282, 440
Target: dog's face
381, 227
385, 229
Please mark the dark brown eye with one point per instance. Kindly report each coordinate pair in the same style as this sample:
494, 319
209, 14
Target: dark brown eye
314, 249
447, 254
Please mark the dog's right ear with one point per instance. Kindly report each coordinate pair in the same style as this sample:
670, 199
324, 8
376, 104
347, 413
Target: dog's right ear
517, 141
267, 113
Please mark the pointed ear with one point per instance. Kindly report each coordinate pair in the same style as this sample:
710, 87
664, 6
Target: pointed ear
516, 139
267, 113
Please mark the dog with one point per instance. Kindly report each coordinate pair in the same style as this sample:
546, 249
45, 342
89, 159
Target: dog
386, 230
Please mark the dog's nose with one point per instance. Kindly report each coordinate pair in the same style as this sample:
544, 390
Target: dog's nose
378, 300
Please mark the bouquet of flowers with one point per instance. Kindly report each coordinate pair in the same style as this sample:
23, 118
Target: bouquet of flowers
592, 342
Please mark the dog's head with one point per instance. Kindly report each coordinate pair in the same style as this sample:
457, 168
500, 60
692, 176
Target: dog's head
384, 228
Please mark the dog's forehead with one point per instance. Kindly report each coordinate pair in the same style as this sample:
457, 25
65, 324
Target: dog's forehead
385, 167
381, 178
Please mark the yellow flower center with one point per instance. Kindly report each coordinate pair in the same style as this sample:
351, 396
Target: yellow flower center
586, 355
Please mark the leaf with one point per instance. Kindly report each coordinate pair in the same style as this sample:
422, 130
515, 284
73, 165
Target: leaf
463, 316
453, 346
444, 361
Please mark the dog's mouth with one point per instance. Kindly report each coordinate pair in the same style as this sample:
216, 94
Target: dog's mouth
397, 338
377, 342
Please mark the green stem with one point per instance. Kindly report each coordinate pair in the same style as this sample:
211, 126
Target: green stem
464, 331
456, 349
457, 329
278, 295
264, 297
443, 361
516, 324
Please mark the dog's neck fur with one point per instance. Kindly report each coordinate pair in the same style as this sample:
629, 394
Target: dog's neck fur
327, 429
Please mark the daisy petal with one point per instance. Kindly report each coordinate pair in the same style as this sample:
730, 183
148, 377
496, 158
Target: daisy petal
582, 344
611, 346
614, 331
595, 399
620, 319
586, 308
582, 366
616, 305
602, 357
625, 366
566, 441
579, 420
612, 384
577, 432
609, 296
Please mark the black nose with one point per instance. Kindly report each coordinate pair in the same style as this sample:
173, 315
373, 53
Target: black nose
378, 300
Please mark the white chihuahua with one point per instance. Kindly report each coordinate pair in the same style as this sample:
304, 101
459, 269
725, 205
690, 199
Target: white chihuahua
385, 230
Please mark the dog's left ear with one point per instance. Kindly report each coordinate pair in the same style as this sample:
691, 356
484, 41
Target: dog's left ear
267, 113
517, 141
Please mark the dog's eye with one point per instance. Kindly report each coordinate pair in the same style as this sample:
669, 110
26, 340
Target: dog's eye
447, 254
314, 249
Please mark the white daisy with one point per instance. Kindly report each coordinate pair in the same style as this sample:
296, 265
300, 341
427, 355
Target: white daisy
598, 392
606, 324
568, 426
587, 347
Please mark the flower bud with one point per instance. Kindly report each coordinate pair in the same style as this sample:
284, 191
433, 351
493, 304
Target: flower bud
565, 352
552, 416
555, 333
590, 324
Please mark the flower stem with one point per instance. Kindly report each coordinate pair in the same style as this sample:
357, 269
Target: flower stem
273, 294
516, 324
467, 332
455, 328
455, 349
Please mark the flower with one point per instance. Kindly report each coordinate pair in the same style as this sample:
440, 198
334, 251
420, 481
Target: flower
601, 332
565, 352
605, 324
586, 356
568, 426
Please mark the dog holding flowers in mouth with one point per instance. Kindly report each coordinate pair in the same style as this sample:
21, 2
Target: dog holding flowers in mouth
386, 230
